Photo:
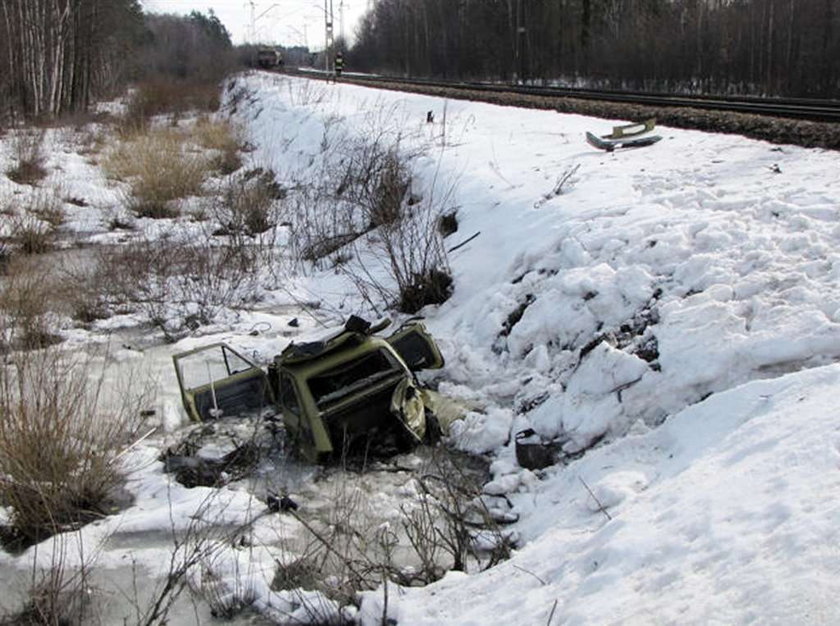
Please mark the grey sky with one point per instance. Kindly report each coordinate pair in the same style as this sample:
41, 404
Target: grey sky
287, 22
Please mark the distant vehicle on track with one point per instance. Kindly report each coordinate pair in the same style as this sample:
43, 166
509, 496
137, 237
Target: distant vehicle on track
269, 58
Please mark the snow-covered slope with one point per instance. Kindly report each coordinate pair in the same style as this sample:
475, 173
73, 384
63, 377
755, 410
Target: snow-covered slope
678, 304
726, 514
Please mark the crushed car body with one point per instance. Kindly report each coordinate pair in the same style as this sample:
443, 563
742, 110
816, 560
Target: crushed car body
351, 392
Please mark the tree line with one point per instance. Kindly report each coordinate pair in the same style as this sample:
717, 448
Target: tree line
57, 56
762, 47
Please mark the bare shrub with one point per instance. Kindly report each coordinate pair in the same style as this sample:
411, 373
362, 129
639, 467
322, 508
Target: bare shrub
351, 549
340, 556
365, 191
213, 277
376, 178
192, 546
244, 204
177, 285
411, 255
229, 595
78, 290
397, 245
48, 208
320, 226
31, 235
392, 183
25, 303
140, 276
59, 443
28, 149
450, 518
159, 169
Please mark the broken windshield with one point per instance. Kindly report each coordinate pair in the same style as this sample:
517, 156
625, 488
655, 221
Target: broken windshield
347, 378
214, 363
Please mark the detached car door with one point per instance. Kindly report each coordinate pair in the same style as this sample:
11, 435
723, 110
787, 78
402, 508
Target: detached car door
416, 347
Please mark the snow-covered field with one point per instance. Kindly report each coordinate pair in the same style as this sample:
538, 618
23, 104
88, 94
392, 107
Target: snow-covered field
673, 310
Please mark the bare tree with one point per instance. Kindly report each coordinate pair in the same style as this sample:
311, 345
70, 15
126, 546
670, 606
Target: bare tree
58, 53
779, 47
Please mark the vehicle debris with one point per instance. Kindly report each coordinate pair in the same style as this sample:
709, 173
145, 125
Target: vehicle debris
351, 392
196, 471
532, 452
626, 136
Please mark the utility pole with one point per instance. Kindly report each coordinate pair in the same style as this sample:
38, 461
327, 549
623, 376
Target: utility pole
253, 30
329, 40
341, 19
519, 50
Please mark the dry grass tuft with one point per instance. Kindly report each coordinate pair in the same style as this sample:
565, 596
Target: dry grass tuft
218, 135
159, 169
225, 139
32, 222
59, 444
25, 304
162, 96
28, 147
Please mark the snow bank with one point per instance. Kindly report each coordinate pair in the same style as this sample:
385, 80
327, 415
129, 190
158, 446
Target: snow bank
723, 514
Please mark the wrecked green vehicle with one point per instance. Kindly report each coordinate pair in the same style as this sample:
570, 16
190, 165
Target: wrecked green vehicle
352, 392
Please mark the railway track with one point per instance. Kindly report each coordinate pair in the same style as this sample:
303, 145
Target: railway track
793, 108
798, 121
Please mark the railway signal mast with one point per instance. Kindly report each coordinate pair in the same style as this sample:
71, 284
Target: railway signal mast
329, 39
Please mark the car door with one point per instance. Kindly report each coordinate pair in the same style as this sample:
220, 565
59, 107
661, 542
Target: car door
416, 347
216, 381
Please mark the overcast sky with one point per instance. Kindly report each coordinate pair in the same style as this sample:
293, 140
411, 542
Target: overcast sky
287, 22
